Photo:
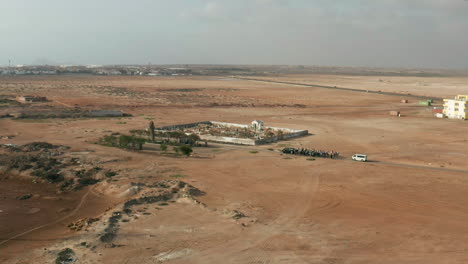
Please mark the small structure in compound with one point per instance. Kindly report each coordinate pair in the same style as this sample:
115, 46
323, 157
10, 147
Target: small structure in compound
258, 125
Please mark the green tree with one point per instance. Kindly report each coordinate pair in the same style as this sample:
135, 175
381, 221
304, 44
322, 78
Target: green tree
140, 142
131, 142
163, 147
110, 140
186, 150
124, 141
193, 137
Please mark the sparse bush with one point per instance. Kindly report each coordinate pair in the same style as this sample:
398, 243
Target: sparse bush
193, 137
52, 176
110, 174
24, 197
88, 173
87, 177
112, 228
123, 141
177, 134
66, 185
178, 176
36, 146
22, 162
186, 150
163, 147
65, 256
37, 158
87, 181
107, 237
139, 132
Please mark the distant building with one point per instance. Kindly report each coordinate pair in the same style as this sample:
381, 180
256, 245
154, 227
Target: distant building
30, 99
456, 108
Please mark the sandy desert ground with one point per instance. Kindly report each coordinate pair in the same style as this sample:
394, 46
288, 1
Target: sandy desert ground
253, 204
437, 86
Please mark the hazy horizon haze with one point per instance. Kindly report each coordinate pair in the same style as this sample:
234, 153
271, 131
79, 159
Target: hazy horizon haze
386, 33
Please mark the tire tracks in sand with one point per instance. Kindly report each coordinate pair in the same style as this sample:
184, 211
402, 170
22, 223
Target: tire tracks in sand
263, 237
78, 207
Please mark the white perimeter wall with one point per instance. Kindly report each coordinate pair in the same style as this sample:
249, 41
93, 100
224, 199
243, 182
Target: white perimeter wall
289, 133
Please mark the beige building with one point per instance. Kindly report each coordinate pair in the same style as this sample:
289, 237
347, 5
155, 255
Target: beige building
456, 108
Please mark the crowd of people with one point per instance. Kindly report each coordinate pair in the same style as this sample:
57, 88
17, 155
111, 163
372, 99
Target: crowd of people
311, 153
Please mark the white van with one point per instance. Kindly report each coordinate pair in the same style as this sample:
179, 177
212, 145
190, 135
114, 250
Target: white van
360, 157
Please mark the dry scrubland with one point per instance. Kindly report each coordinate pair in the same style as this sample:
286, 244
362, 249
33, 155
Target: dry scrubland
444, 87
233, 204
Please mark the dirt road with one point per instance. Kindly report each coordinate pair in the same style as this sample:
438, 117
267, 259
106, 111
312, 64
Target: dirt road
72, 213
337, 88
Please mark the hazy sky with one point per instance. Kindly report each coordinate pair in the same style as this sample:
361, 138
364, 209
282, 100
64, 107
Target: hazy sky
390, 33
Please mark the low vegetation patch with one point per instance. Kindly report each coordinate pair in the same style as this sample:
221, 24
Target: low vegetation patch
8, 102
162, 193
139, 132
110, 174
112, 228
123, 141
57, 112
186, 150
253, 152
163, 147
24, 197
66, 256
48, 162
178, 176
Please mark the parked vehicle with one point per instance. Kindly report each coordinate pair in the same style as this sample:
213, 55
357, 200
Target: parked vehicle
360, 157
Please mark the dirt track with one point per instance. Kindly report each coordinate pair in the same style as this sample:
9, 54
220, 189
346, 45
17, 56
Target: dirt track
78, 207
340, 88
